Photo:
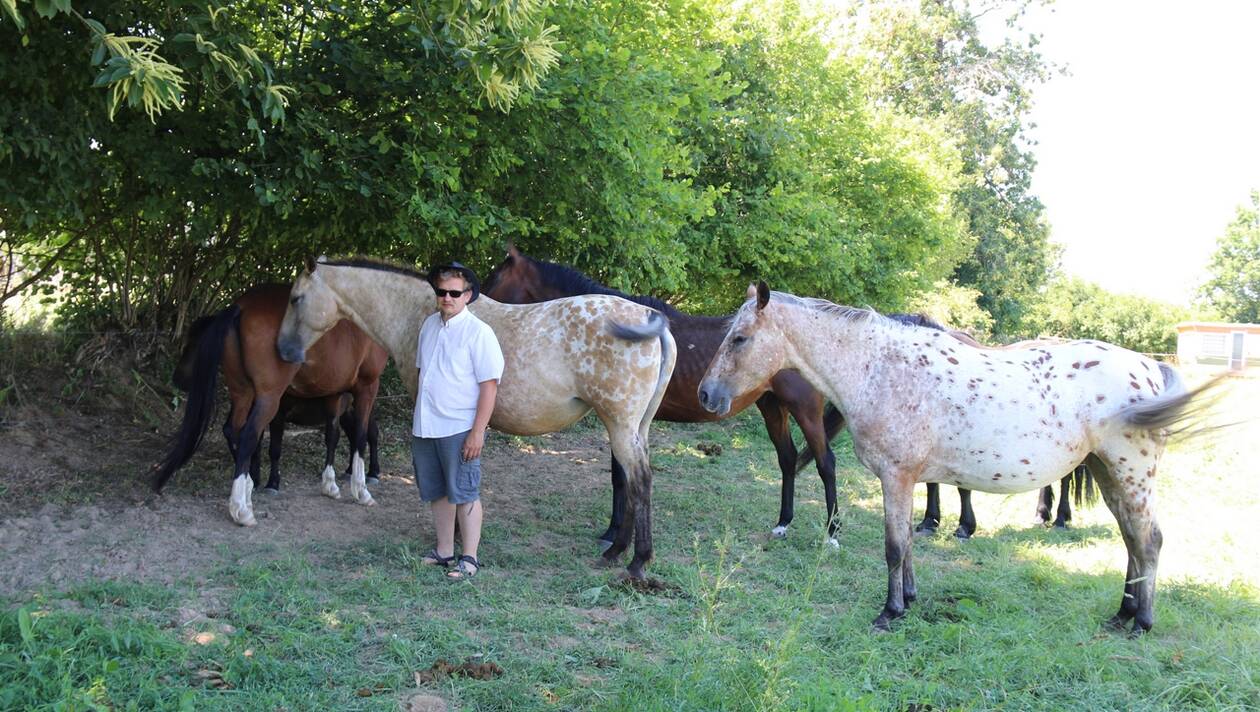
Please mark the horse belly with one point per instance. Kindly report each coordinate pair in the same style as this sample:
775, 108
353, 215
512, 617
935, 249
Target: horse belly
1024, 461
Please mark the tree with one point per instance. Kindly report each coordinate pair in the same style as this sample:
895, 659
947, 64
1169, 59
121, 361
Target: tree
1234, 286
1075, 309
930, 60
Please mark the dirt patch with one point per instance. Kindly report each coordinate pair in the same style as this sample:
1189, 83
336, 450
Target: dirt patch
442, 670
649, 585
76, 505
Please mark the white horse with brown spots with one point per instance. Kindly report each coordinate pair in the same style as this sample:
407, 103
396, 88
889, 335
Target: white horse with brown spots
561, 360
924, 407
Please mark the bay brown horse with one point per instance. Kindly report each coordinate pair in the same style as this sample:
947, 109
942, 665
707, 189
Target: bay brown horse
562, 359
327, 413
521, 279
240, 341
926, 408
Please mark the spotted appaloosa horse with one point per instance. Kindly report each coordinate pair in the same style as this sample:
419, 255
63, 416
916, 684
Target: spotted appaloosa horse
241, 340
561, 360
924, 407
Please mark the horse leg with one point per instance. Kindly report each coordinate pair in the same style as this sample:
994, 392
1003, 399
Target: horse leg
364, 397
374, 464
1131, 501
273, 451
328, 478
775, 415
898, 487
932, 516
628, 448
1063, 514
814, 429
1045, 503
241, 502
966, 515
255, 463
618, 505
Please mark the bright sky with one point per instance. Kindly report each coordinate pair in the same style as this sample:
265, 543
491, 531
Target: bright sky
1151, 143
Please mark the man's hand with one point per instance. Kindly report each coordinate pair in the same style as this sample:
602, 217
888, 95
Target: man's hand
473, 443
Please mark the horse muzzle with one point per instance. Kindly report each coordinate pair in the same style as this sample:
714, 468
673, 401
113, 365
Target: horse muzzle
714, 397
290, 350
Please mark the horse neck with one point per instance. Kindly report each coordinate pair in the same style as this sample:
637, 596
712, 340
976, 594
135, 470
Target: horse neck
831, 351
392, 320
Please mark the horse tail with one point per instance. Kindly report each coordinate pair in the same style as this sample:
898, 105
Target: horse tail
1175, 411
183, 375
203, 388
1083, 487
657, 326
833, 423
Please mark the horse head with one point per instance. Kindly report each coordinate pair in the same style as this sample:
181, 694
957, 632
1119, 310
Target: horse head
751, 353
313, 310
516, 280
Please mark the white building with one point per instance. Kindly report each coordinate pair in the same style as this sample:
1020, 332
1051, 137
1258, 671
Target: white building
1215, 343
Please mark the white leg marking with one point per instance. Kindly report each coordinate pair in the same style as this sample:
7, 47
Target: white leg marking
358, 482
779, 532
241, 503
833, 542
328, 485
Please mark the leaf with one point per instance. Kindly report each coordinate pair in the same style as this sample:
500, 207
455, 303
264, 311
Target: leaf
10, 7
62, 5
45, 8
25, 626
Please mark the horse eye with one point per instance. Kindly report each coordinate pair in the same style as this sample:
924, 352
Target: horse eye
294, 301
739, 340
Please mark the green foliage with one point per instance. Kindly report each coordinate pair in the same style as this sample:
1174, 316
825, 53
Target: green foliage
1076, 309
1233, 288
676, 147
930, 60
956, 307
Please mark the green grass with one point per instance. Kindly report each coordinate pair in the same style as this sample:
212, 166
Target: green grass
1009, 620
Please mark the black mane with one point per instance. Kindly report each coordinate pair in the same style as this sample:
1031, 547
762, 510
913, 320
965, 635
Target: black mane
571, 281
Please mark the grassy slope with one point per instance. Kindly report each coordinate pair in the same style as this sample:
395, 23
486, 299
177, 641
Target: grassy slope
1010, 620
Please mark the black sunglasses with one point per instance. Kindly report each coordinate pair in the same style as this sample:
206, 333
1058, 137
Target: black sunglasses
452, 293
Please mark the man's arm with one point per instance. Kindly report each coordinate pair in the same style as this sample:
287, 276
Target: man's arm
487, 390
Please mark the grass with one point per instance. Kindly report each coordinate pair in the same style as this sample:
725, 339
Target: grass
1009, 620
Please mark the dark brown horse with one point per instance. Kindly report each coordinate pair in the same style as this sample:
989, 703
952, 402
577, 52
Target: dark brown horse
241, 341
521, 279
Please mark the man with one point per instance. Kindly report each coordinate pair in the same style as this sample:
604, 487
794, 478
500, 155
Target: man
460, 364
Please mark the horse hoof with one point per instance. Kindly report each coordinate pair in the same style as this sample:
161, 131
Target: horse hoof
962, 534
604, 545
373, 480
779, 532
273, 491
247, 521
924, 531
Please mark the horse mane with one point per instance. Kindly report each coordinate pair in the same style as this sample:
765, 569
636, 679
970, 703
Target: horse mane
859, 313
571, 281
376, 264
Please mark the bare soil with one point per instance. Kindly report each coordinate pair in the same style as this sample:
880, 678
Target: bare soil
77, 506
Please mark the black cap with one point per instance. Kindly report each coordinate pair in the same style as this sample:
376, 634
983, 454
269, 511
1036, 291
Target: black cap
468, 275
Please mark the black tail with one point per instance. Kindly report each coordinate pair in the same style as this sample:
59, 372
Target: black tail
183, 375
1083, 487
203, 387
833, 423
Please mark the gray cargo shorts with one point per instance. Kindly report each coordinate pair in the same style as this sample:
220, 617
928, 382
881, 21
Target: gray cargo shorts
442, 472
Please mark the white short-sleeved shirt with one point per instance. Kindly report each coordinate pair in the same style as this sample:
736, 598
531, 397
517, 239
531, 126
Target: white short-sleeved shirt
454, 357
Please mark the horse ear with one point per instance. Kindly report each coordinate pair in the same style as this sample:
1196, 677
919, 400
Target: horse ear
763, 295
310, 264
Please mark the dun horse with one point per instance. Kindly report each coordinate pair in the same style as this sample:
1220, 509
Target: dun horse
924, 407
562, 359
241, 340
